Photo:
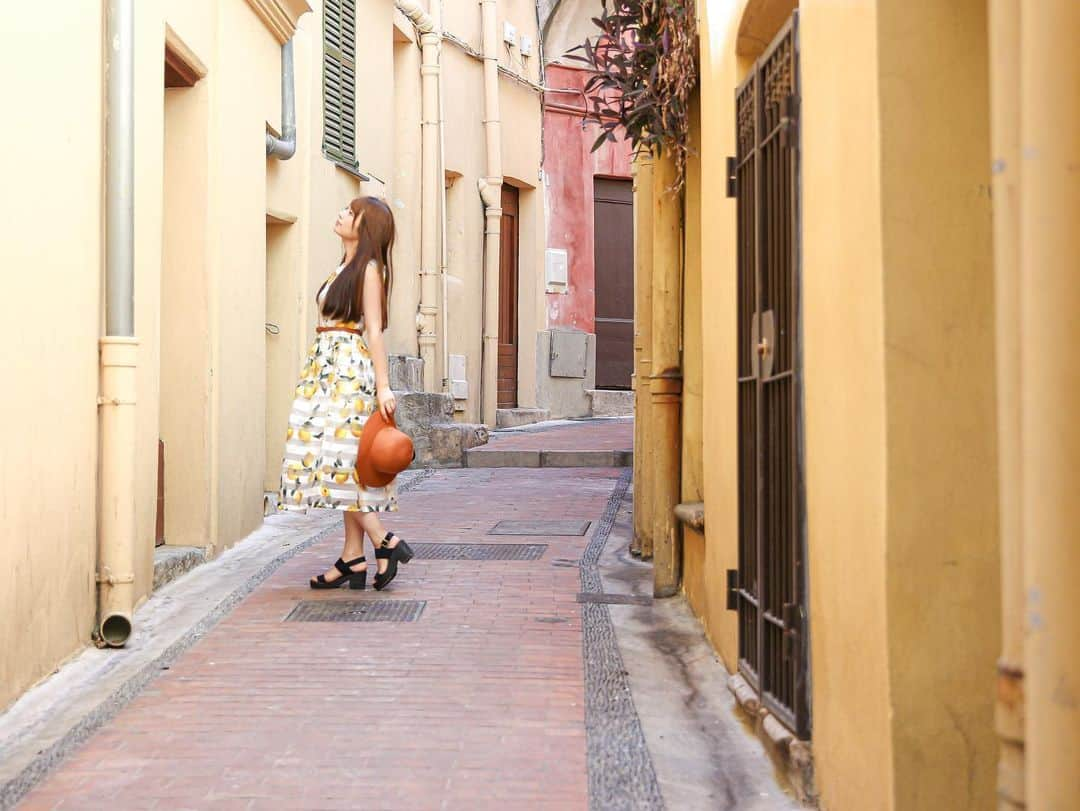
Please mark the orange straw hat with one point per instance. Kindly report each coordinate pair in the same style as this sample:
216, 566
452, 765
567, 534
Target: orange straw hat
384, 452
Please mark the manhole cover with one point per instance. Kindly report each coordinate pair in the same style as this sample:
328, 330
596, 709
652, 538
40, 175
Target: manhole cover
479, 551
357, 611
540, 528
614, 599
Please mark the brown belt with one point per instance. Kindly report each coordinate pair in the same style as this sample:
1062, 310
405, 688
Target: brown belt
353, 330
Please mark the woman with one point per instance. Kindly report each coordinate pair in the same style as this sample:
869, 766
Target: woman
346, 377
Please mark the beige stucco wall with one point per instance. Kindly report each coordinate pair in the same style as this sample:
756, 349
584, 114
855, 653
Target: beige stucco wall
520, 115
567, 25
225, 241
52, 246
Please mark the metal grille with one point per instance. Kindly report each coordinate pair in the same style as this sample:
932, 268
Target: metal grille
357, 611
770, 595
540, 528
479, 551
339, 81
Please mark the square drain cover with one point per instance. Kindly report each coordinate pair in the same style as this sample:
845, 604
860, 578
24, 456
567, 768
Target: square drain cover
614, 599
357, 611
540, 528
479, 551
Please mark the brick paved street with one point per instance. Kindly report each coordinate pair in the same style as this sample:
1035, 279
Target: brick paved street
477, 704
483, 702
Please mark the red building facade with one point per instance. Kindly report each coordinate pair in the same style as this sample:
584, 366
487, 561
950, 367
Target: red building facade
590, 217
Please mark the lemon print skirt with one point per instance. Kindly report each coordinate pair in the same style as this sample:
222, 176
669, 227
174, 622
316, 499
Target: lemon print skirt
334, 398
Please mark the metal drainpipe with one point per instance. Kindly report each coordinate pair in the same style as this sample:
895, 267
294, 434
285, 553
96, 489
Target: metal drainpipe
443, 259
284, 147
491, 194
119, 346
430, 36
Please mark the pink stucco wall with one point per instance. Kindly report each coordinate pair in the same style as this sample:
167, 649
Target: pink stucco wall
569, 169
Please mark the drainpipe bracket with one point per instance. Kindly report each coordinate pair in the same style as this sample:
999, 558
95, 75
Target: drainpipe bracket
107, 576
666, 383
113, 401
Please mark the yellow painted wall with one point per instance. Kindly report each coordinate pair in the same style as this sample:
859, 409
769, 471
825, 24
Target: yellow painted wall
49, 326
719, 416
844, 388
692, 463
942, 532
898, 322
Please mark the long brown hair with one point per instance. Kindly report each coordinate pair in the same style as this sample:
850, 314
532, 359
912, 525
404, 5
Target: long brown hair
345, 298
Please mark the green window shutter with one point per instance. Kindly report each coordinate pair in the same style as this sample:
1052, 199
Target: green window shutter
339, 82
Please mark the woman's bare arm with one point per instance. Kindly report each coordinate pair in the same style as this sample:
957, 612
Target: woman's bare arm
373, 321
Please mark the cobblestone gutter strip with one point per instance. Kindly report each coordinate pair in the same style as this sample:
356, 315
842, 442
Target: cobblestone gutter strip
47, 759
621, 774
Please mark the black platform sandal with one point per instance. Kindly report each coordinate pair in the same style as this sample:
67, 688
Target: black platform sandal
356, 580
402, 553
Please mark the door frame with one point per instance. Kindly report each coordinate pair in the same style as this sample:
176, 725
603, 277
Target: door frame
629, 201
509, 293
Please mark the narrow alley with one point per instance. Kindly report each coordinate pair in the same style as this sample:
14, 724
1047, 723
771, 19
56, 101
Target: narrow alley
518, 662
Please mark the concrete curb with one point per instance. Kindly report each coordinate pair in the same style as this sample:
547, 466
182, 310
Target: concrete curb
542, 458
171, 562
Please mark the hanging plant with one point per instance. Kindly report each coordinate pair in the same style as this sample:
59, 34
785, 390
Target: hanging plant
644, 68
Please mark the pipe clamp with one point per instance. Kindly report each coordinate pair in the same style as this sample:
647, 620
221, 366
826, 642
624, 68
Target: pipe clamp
114, 579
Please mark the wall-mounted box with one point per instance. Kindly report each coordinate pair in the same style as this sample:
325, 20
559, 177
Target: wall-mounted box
569, 353
459, 383
556, 263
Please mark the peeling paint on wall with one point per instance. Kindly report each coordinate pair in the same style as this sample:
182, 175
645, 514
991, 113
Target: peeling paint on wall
569, 170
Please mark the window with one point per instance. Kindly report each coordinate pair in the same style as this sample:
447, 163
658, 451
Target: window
339, 82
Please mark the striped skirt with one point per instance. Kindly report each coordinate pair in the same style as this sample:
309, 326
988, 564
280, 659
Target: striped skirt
334, 398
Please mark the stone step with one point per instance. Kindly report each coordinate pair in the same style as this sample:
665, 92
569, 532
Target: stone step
445, 445
516, 417
439, 441
486, 457
612, 403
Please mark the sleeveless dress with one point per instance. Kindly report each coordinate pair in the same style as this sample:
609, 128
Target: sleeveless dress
334, 397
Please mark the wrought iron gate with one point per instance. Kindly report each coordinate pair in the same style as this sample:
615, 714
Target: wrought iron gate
768, 590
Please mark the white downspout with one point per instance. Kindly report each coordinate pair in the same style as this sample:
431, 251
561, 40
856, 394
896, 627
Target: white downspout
119, 346
491, 195
430, 43
444, 263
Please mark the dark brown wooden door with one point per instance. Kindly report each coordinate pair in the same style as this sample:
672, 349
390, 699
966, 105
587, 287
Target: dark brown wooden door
159, 522
613, 210
770, 587
508, 298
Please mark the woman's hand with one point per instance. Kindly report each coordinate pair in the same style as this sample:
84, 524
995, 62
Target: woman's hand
387, 403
